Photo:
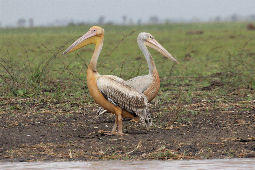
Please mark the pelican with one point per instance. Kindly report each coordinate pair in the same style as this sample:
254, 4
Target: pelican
147, 84
110, 92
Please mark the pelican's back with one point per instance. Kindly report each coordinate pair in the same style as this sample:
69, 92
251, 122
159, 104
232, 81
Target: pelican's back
118, 92
141, 83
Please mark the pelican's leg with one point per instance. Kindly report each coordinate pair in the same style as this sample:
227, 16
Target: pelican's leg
114, 126
119, 122
113, 132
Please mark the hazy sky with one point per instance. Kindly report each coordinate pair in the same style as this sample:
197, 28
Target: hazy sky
48, 11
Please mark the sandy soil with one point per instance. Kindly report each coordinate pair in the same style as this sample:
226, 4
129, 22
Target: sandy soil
46, 129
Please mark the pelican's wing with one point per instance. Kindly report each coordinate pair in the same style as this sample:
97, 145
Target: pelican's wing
118, 92
140, 83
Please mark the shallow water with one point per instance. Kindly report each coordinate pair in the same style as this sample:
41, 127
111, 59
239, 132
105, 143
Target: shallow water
126, 165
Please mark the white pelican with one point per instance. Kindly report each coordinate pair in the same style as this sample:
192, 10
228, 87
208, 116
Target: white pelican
148, 84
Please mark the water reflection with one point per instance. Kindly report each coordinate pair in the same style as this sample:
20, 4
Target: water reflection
126, 165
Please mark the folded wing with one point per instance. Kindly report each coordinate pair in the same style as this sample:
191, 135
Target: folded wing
118, 92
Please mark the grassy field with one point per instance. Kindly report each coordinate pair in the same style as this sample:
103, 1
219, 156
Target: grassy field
31, 58
215, 74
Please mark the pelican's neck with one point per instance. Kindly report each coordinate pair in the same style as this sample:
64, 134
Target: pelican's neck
94, 58
147, 56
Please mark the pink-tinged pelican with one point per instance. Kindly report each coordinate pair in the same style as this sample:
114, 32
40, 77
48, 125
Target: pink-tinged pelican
148, 84
110, 92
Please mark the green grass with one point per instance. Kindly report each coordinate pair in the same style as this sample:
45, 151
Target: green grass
32, 64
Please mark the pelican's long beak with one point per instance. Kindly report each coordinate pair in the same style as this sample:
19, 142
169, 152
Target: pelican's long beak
81, 42
155, 45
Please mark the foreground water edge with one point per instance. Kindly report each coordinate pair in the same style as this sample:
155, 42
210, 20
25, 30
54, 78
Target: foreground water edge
145, 164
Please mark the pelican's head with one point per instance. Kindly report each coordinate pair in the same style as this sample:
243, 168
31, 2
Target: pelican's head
94, 35
150, 41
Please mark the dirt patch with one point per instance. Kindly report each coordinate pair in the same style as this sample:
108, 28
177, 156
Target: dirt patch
45, 129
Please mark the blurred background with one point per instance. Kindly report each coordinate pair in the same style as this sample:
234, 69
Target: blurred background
34, 13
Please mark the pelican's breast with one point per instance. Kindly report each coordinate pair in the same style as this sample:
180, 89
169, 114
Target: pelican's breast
152, 91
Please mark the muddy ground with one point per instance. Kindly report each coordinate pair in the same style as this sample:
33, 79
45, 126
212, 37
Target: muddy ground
33, 129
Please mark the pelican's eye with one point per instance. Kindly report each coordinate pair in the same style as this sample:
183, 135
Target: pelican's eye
151, 37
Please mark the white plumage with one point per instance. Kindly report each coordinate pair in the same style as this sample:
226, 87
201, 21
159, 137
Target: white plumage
140, 83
